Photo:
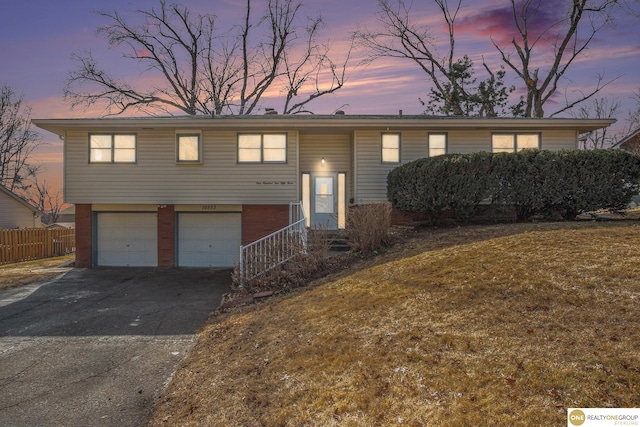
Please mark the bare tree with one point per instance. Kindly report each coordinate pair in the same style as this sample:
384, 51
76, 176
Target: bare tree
598, 108
17, 141
568, 38
47, 202
206, 70
455, 90
634, 113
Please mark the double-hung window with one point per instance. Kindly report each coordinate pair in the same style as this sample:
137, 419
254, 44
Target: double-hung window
512, 142
437, 144
112, 148
390, 148
262, 148
188, 148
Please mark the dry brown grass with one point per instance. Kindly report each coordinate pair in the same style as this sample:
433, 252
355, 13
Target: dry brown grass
478, 326
22, 273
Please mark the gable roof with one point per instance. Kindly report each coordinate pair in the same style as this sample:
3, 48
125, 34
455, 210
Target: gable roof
18, 198
321, 122
626, 139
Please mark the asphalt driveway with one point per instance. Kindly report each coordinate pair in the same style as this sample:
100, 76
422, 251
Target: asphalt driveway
97, 346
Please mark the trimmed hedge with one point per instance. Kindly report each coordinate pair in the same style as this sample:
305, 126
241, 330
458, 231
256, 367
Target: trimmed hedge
533, 182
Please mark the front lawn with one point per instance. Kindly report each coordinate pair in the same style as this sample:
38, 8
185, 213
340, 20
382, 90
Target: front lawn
22, 273
479, 325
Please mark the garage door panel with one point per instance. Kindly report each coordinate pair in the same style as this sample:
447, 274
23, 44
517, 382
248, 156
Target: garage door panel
208, 240
127, 239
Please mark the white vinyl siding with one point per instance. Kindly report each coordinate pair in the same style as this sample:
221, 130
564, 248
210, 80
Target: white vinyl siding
371, 172
559, 140
157, 178
14, 214
336, 149
370, 176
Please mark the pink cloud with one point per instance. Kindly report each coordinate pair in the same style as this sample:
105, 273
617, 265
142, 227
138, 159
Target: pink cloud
499, 23
143, 53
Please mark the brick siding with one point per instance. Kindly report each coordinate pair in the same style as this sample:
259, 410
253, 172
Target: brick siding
84, 234
166, 236
260, 220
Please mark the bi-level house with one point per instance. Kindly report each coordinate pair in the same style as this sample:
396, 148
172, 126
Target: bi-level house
188, 191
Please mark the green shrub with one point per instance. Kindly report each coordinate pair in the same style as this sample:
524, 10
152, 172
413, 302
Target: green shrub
453, 182
592, 180
533, 182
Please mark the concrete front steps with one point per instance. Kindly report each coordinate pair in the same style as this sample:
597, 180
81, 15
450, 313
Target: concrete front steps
335, 240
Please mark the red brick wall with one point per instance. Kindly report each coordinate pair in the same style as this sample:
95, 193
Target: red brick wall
166, 236
260, 220
84, 236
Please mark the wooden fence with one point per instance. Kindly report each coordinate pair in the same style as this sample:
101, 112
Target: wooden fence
35, 243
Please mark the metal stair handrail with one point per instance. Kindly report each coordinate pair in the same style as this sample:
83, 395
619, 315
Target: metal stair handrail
275, 249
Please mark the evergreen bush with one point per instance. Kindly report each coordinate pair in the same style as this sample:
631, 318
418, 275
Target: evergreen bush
533, 182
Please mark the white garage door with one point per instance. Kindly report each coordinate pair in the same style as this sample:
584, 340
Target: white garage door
127, 239
208, 239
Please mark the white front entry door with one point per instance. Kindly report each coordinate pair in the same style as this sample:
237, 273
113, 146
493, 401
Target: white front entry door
324, 200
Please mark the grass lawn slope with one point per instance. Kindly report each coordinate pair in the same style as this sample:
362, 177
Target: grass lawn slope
477, 326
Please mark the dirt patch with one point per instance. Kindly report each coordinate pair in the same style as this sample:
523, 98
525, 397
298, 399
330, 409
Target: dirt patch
30, 271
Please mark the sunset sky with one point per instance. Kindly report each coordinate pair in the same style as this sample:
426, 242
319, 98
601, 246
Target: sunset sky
38, 38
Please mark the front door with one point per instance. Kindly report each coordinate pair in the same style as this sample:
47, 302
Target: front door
324, 200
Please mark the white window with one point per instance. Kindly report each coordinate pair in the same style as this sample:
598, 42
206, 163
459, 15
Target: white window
437, 144
390, 148
274, 148
188, 148
528, 140
510, 143
262, 148
112, 148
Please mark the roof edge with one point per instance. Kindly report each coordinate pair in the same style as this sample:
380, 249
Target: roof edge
19, 199
59, 126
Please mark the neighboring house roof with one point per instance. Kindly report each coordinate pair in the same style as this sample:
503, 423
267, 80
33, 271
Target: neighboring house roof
71, 210
18, 199
630, 142
67, 215
66, 225
16, 212
322, 122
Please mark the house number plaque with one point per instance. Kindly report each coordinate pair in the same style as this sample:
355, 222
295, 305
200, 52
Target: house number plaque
274, 182
209, 207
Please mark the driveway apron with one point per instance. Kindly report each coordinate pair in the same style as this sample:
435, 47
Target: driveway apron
97, 346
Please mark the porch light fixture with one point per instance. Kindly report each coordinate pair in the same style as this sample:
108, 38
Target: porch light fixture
322, 162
